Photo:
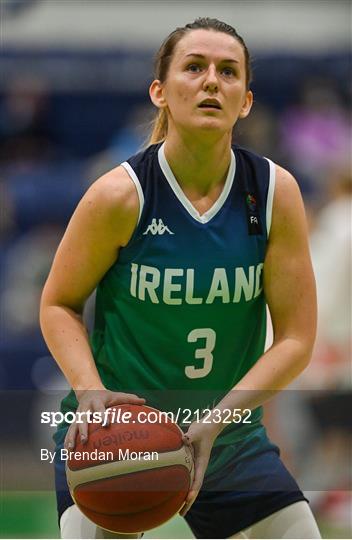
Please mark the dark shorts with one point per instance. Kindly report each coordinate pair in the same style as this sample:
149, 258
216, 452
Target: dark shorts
252, 485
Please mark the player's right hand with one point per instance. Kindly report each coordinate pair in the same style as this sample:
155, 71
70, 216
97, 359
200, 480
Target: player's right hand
95, 401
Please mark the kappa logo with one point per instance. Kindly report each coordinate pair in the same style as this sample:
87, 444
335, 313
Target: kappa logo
157, 227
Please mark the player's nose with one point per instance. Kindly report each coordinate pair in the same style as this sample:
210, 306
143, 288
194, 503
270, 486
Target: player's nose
211, 83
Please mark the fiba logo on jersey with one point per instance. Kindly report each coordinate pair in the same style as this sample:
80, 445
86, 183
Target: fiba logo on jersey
251, 202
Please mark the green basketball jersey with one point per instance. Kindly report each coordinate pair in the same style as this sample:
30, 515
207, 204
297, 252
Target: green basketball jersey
181, 316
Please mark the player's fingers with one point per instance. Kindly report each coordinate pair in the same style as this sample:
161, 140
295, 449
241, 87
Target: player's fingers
83, 431
103, 413
119, 398
201, 463
70, 439
195, 487
186, 439
132, 398
191, 497
200, 468
188, 443
95, 406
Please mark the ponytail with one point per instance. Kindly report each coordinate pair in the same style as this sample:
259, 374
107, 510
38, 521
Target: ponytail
159, 128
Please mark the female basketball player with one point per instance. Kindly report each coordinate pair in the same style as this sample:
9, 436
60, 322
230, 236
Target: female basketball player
186, 243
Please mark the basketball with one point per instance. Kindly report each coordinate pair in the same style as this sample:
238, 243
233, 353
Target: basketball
131, 476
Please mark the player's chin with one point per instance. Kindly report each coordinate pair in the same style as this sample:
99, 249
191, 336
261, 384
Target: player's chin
212, 125
216, 119
207, 124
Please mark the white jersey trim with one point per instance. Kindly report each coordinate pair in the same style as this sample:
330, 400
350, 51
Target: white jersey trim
270, 197
209, 214
137, 183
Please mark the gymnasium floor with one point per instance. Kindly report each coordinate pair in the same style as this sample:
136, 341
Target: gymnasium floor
33, 515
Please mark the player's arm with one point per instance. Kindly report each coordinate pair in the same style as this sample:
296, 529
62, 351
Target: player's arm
102, 222
290, 292
289, 288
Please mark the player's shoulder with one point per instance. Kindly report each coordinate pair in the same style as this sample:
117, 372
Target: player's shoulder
287, 191
284, 177
114, 191
111, 204
288, 207
117, 192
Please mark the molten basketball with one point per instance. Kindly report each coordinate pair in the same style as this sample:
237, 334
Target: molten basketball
131, 477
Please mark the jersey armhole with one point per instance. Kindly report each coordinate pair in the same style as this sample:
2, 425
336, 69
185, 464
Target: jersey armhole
137, 183
270, 196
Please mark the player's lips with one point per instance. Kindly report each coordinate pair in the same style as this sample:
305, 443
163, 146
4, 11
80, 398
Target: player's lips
210, 103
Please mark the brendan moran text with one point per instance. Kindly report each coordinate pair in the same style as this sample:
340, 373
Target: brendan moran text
96, 455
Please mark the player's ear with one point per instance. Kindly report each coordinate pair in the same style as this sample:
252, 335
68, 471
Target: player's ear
156, 93
247, 105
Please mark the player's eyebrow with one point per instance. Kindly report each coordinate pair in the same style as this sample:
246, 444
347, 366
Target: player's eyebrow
197, 55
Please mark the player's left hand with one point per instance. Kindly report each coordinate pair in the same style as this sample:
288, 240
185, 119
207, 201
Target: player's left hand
200, 437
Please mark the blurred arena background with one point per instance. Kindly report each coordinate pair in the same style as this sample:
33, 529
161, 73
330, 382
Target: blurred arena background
73, 104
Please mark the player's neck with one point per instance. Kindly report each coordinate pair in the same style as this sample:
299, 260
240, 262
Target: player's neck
198, 164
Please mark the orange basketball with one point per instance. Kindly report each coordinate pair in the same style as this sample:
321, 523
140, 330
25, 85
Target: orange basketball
131, 477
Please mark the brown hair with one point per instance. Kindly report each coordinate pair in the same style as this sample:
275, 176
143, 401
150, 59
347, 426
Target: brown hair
164, 56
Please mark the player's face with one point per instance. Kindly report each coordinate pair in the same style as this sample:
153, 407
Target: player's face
206, 83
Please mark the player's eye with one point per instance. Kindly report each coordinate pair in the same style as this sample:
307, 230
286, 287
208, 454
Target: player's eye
194, 68
228, 71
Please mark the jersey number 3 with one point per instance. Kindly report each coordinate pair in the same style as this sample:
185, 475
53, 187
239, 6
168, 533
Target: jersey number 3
204, 353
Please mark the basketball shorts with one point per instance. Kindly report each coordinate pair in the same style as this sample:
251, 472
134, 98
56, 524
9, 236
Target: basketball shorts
253, 484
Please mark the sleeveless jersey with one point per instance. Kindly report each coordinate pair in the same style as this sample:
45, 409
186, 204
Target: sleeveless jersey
181, 316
